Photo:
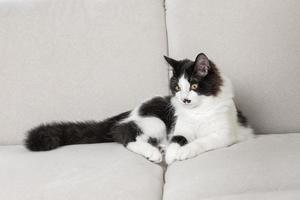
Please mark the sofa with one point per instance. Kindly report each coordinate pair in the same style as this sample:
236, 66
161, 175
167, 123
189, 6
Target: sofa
74, 60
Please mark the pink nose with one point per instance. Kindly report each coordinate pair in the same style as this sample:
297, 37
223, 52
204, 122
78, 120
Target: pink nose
186, 101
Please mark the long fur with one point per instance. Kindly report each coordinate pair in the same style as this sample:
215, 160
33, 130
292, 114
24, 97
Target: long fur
199, 116
50, 136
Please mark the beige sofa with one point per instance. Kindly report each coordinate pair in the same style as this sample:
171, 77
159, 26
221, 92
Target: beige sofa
81, 60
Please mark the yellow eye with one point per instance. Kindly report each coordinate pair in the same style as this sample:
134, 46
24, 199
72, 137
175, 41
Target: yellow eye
194, 86
177, 88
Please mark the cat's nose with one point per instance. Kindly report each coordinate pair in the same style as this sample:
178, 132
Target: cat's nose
186, 101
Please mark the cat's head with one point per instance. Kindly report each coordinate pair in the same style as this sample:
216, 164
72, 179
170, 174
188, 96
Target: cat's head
194, 80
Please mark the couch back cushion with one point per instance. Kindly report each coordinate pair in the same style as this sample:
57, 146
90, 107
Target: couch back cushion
256, 43
77, 60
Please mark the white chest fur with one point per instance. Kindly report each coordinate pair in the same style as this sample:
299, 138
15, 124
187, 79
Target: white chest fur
215, 113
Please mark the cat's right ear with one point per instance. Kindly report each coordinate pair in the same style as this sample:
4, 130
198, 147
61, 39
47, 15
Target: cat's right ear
171, 61
174, 63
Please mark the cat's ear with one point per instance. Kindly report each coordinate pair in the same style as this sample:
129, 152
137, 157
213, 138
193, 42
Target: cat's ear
171, 61
174, 63
201, 65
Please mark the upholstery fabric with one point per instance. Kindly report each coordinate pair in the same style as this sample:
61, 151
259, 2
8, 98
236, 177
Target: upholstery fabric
77, 60
78, 172
266, 164
255, 43
275, 195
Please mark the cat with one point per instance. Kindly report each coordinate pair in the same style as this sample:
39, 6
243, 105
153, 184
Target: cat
199, 115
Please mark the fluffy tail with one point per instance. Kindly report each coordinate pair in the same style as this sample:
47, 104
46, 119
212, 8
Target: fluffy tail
50, 136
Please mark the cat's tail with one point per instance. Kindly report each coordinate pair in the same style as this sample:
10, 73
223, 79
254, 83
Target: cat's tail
50, 136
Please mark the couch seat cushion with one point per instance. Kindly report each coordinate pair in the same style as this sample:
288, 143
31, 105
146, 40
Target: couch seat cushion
274, 195
99, 171
268, 163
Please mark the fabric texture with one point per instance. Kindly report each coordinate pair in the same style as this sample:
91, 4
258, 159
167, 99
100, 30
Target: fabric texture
77, 60
266, 164
78, 172
275, 195
256, 44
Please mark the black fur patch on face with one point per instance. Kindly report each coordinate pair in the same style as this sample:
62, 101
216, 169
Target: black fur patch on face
179, 139
125, 133
161, 108
202, 72
242, 119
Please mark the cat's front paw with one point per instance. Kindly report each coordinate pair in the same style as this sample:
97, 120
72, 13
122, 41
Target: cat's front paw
171, 153
186, 152
154, 155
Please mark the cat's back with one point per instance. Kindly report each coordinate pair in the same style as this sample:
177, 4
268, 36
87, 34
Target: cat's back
156, 108
160, 107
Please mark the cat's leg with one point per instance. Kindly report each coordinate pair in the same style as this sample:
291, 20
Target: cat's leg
153, 133
201, 145
144, 148
222, 134
182, 135
133, 138
218, 131
175, 144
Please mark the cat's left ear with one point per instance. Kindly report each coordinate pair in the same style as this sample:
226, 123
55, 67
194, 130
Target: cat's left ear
201, 65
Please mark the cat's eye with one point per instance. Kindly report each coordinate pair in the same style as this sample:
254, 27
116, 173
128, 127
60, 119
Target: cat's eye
194, 86
177, 88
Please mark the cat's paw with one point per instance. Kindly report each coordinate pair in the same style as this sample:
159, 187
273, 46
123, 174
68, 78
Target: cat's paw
186, 152
154, 155
171, 153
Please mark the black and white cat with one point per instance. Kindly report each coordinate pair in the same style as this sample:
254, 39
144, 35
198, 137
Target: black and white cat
199, 116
